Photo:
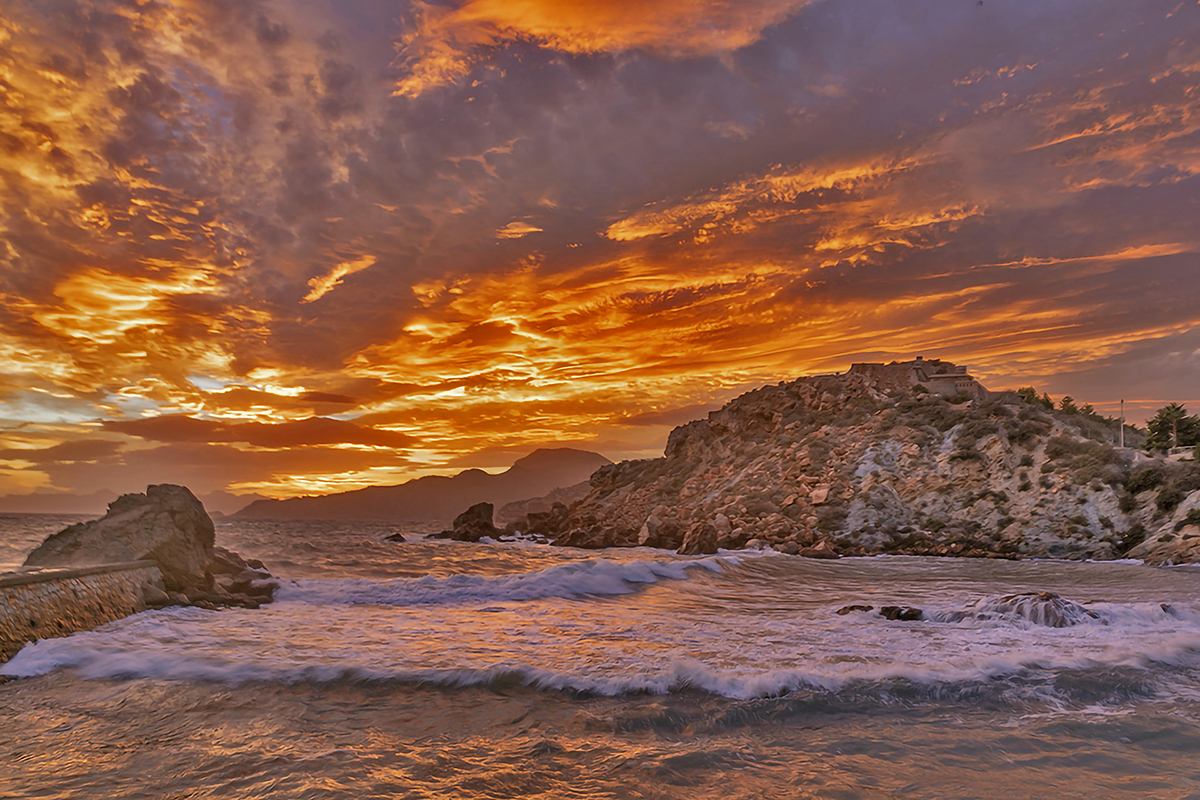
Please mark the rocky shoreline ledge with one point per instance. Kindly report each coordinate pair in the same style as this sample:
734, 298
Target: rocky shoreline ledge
863, 463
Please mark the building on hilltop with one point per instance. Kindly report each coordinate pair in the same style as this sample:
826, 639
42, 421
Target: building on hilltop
935, 375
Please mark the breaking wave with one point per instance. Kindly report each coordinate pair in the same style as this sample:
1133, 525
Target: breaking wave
572, 580
1128, 675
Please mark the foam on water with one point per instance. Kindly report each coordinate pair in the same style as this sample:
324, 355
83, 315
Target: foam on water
579, 579
438, 632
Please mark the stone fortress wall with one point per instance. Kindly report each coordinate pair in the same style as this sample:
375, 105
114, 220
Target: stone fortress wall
50, 603
935, 375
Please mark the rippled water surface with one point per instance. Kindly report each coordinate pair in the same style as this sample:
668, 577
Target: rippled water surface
443, 669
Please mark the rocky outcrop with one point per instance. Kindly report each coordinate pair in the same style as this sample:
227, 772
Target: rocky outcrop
846, 465
472, 525
1038, 608
169, 526
1175, 539
517, 511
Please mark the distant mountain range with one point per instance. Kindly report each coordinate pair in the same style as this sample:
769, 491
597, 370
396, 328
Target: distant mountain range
94, 504
56, 503
441, 498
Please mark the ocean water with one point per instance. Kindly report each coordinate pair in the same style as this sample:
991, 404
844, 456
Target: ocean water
444, 669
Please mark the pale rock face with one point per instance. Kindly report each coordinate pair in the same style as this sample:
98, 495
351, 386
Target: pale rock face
835, 465
167, 524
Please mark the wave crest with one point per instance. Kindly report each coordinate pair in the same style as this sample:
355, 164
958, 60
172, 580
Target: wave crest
593, 578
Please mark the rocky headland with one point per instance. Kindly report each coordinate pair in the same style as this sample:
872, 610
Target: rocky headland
874, 461
169, 526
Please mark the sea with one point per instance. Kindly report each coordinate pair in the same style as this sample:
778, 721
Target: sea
439, 669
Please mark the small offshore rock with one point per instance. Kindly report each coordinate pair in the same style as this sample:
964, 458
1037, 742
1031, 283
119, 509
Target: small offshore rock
472, 525
901, 613
395, 537
1040, 608
844, 610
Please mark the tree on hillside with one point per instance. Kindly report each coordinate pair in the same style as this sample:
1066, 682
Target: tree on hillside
1030, 395
1172, 426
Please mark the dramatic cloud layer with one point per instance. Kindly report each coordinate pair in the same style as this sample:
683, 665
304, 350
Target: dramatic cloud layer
288, 247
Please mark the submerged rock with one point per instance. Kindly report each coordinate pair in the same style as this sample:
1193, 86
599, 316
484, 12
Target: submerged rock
1040, 608
901, 613
169, 526
850, 609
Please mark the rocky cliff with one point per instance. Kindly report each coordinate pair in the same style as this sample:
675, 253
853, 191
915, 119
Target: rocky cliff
441, 498
846, 465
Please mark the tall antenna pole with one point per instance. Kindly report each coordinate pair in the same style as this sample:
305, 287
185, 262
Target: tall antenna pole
1122, 422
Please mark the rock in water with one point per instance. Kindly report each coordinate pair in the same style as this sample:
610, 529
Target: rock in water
844, 610
901, 613
472, 525
1040, 608
169, 526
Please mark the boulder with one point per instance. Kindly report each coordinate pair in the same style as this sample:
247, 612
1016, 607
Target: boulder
1039, 608
543, 524
844, 610
820, 550
167, 525
472, 525
901, 613
701, 538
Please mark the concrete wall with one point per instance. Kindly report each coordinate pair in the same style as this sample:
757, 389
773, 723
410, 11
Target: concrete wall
42, 605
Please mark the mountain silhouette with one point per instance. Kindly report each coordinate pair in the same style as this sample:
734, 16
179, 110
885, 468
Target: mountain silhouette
441, 498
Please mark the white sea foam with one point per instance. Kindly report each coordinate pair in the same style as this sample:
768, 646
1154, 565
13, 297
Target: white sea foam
599, 577
598, 648
94, 660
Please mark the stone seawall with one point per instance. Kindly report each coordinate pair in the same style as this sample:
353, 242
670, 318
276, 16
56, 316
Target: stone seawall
43, 605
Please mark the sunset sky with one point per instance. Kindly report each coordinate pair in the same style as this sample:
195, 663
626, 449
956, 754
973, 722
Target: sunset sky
298, 247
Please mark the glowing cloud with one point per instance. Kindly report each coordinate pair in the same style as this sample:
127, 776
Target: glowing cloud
517, 230
322, 285
443, 42
297, 247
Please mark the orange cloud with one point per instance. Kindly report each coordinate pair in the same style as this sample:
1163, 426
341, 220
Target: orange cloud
444, 40
322, 285
196, 210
